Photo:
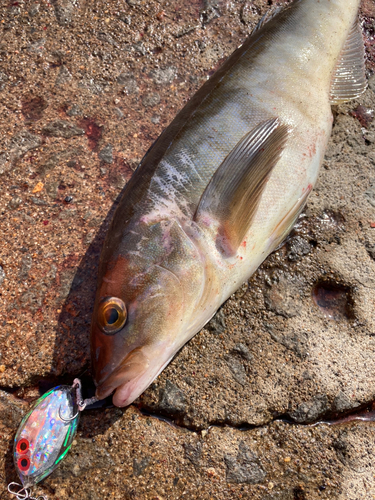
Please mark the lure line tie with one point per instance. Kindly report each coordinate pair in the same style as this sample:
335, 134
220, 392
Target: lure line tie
81, 403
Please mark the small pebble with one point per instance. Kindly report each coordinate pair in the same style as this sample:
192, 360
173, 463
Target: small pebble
106, 154
15, 202
38, 201
151, 100
119, 113
38, 187
211, 472
2, 275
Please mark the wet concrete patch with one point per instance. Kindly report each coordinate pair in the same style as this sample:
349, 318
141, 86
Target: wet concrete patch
333, 300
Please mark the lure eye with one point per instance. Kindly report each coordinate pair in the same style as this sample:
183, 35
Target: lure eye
112, 315
23, 464
22, 446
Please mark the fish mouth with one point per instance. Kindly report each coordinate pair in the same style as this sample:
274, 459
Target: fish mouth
132, 377
125, 377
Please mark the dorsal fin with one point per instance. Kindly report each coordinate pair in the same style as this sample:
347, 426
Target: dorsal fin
349, 80
232, 196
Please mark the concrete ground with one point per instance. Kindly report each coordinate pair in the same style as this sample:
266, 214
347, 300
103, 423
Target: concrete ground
85, 88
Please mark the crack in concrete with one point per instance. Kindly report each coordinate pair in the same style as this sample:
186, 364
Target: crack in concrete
345, 417
364, 413
9, 390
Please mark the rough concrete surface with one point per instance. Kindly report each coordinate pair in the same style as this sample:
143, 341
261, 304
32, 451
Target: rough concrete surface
85, 88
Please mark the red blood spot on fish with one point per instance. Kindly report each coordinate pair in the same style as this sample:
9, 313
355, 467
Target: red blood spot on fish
312, 150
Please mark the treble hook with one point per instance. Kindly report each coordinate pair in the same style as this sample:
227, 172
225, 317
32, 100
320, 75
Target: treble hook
23, 493
81, 403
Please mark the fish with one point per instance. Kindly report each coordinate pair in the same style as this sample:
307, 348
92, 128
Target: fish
220, 189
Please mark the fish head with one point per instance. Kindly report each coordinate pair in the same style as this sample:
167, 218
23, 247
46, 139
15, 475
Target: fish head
134, 326
138, 315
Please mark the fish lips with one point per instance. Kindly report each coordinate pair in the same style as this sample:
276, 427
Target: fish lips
134, 365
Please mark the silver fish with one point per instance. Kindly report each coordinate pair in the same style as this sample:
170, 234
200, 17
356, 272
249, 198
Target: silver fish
220, 189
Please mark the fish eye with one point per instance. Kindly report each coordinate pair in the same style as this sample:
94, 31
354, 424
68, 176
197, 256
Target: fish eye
111, 315
22, 446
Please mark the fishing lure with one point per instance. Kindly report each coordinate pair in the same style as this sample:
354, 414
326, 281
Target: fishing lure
45, 436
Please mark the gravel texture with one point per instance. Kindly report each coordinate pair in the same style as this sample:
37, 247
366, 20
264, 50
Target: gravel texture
85, 88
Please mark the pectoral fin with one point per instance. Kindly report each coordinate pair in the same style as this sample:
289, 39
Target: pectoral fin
284, 227
349, 80
233, 194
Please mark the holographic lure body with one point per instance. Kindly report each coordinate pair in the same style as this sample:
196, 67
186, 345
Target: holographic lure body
45, 435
